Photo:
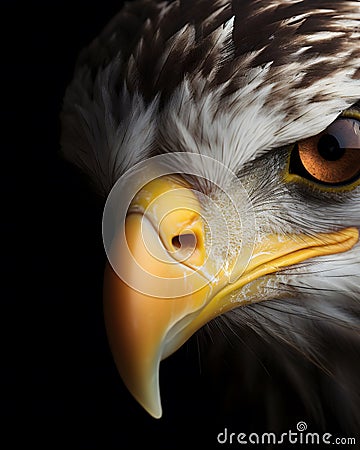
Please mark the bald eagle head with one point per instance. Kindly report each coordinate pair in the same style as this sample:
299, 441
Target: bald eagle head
225, 137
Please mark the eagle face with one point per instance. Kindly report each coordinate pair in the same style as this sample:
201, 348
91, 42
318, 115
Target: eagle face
225, 136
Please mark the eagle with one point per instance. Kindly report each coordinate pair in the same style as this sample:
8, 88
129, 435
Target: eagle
224, 139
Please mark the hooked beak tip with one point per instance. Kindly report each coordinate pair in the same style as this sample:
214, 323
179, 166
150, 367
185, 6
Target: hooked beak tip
150, 399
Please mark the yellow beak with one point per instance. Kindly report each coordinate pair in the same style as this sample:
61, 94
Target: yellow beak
172, 286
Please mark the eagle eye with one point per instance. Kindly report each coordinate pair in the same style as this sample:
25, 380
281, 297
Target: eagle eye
331, 158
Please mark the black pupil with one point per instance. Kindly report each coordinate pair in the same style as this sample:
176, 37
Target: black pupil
329, 148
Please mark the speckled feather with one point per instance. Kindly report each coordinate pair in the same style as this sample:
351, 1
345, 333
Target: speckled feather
171, 64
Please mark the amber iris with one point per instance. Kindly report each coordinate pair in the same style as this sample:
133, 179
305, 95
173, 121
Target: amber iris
328, 169
331, 157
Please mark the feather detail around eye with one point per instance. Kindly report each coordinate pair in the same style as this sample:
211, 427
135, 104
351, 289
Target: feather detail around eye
171, 62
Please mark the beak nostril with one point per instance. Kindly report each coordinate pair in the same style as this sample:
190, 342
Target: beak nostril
176, 242
184, 242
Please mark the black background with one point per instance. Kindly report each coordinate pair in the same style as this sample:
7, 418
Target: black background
60, 385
